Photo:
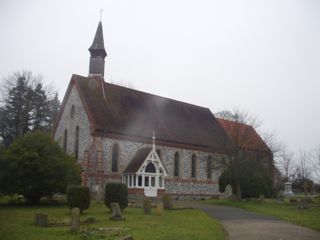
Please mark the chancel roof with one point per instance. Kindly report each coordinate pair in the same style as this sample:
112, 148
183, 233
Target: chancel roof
125, 112
245, 135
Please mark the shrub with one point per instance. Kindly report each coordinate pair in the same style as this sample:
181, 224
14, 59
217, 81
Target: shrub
147, 205
36, 166
293, 200
78, 197
116, 193
167, 201
255, 180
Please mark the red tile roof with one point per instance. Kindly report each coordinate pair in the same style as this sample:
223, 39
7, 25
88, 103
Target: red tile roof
121, 111
243, 135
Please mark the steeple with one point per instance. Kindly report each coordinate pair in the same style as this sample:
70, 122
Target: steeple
98, 53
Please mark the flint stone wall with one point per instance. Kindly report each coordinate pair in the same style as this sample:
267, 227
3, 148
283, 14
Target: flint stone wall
70, 123
182, 185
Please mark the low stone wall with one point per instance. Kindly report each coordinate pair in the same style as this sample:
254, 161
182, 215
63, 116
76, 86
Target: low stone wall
195, 189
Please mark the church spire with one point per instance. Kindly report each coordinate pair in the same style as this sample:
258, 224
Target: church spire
98, 53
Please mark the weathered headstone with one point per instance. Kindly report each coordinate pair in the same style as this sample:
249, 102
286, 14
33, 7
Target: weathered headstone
128, 237
116, 212
147, 206
302, 204
75, 220
288, 189
159, 209
228, 191
41, 219
167, 201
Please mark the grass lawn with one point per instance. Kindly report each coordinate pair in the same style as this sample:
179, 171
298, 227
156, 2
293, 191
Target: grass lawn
309, 218
16, 222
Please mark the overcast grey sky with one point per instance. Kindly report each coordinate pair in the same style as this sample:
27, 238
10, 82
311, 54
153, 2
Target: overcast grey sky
261, 56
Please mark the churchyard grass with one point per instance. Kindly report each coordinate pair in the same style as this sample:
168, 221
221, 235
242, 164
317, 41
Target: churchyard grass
307, 218
16, 222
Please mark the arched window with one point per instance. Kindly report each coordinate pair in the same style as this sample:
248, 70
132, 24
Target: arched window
115, 153
72, 111
209, 167
65, 140
193, 166
76, 142
159, 153
176, 164
150, 168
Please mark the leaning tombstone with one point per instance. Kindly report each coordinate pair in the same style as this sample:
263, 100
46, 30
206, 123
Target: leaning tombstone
41, 219
75, 220
116, 212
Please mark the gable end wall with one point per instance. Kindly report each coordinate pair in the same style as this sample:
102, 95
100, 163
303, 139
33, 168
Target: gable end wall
80, 119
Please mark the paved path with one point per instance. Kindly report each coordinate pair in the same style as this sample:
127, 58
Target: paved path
245, 225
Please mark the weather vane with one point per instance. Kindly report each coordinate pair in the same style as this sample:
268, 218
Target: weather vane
101, 10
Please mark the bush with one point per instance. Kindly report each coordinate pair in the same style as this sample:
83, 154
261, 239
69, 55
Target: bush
78, 197
255, 180
167, 201
36, 166
116, 193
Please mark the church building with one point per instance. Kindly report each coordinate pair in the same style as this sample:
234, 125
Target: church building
153, 144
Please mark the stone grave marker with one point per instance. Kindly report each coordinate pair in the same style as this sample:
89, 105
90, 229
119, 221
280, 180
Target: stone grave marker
75, 220
288, 189
159, 209
41, 219
128, 237
116, 212
228, 191
147, 205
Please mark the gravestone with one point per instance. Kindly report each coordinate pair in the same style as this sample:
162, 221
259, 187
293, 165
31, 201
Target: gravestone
147, 206
228, 191
129, 237
303, 204
288, 189
116, 212
41, 219
159, 209
75, 220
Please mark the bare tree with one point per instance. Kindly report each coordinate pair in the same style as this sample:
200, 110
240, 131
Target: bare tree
303, 172
284, 161
304, 168
239, 116
124, 84
316, 161
240, 126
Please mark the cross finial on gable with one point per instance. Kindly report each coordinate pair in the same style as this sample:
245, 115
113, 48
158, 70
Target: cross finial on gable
101, 10
153, 140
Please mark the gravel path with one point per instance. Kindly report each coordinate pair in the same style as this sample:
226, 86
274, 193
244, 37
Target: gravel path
245, 225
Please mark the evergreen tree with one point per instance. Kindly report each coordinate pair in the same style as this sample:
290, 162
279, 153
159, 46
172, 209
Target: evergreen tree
36, 166
54, 106
40, 112
27, 106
